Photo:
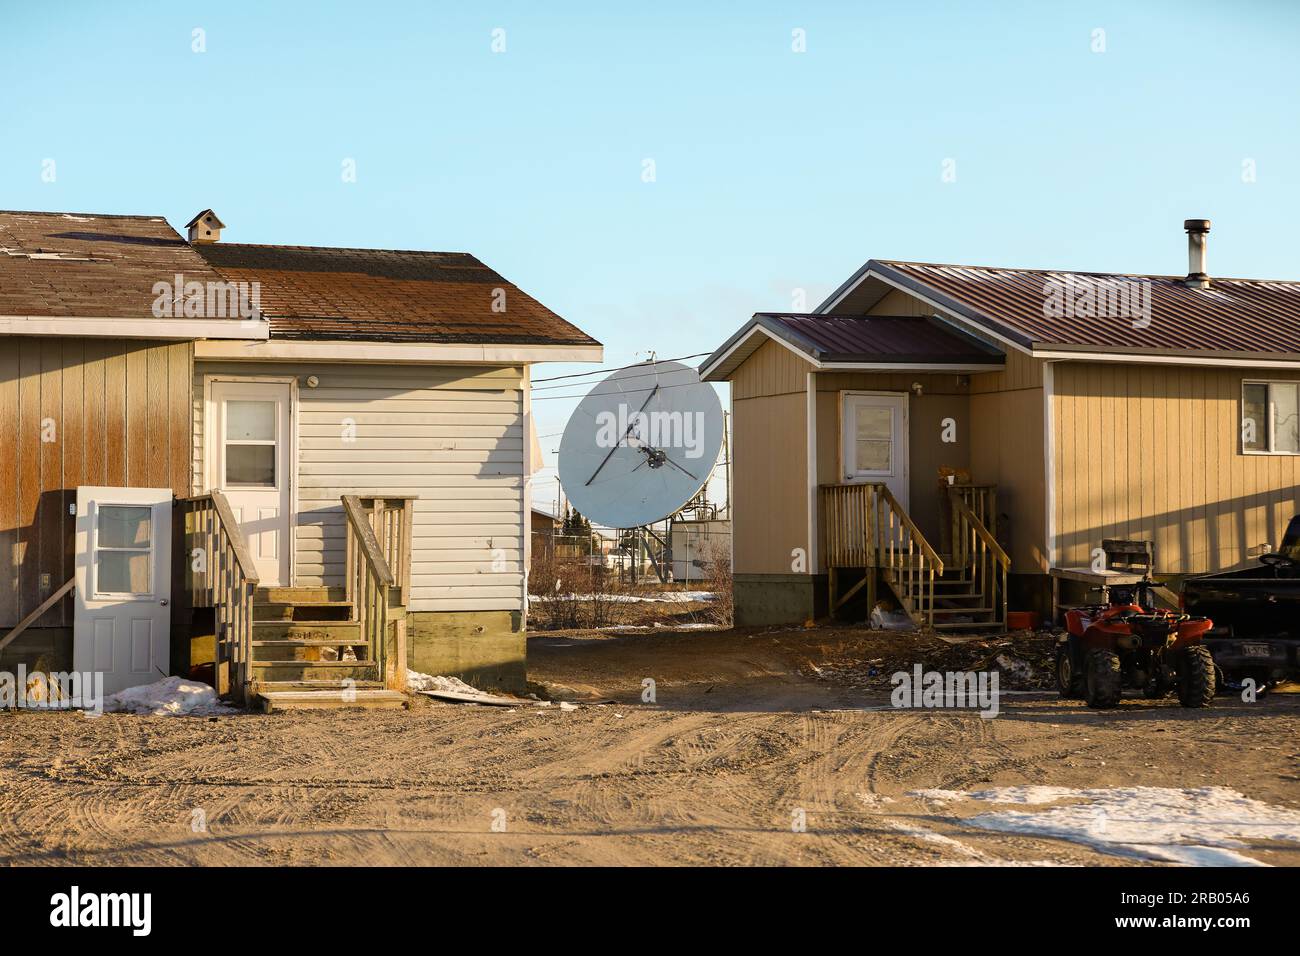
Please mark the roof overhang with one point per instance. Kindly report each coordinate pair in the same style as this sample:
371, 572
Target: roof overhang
396, 353
103, 327
719, 366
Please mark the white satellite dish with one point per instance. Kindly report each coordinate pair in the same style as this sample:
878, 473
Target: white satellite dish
640, 445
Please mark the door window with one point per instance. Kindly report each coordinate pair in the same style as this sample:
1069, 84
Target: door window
874, 440
870, 430
250, 444
124, 549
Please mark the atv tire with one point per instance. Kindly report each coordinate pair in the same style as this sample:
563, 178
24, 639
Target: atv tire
1069, 683
1196, 677
1104, 683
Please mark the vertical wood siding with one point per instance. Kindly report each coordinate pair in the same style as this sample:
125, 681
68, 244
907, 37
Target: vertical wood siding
769, 422
1153, 452
118, 414
453, 435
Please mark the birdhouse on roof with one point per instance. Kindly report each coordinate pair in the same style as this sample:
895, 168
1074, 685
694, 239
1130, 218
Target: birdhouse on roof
205, 227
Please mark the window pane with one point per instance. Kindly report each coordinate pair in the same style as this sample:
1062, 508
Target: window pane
250, 421
250, 465
122, 572
874, 455
125, 527
1254, 417
1286, 433
875, 422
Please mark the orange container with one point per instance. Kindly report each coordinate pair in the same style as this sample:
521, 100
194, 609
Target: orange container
1022, 620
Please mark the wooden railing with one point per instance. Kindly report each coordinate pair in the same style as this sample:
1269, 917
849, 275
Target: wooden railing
976, 547
910, 563
867, 528
219, 574
369, 577
392, 518
983, 501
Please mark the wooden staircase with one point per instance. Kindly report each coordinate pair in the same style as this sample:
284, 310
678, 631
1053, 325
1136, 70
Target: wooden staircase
285, 648
308, 651
866, 528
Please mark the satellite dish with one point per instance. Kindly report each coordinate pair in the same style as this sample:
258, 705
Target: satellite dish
641, 444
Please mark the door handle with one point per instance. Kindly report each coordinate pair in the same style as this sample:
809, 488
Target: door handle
163, 602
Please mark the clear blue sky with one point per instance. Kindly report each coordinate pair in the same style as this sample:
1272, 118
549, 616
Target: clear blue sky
775, 170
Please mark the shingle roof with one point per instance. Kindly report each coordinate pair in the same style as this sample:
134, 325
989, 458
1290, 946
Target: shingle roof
89, 265
1233, 316
388, 295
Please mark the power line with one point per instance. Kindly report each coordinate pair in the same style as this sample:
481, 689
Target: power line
636, 391
602, 371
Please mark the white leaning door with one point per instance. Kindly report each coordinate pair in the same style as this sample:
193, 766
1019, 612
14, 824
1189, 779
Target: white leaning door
122, 623
874, 446
251, 464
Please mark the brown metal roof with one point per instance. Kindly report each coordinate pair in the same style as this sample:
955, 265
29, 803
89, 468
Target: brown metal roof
67, 265
883, 338
1238, 316
872, 341
387, 295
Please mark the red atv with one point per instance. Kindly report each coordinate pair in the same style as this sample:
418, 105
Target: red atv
1129, 642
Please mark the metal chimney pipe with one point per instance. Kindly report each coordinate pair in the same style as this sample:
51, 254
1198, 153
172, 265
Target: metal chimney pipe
1197, 229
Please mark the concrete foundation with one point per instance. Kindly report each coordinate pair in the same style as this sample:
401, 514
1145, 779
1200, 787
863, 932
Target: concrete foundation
764, 599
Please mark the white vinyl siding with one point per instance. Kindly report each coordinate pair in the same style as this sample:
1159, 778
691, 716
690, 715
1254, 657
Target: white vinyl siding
453, 435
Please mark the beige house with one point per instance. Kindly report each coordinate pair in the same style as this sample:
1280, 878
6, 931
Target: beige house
946, 437
303, 468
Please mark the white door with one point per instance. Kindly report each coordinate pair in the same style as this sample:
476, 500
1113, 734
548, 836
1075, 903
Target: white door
122, 624
874, 446
251, 458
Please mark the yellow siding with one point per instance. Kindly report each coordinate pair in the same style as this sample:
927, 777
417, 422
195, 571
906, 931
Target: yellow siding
769, 421
1022, 371
1007, 451
772, 370
1153, 452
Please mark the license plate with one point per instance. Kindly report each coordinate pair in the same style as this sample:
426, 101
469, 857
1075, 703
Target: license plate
1257, 650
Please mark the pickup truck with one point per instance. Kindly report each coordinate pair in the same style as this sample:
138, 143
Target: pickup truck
1256, 615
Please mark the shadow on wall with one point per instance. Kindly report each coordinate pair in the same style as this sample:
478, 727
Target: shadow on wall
1198, 534
36, 559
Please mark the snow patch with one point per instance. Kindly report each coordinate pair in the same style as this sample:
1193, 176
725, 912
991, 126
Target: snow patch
1195, 827
170, 697
943, 796
417, 683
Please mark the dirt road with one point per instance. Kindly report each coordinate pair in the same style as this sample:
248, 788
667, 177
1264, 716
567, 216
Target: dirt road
740, 746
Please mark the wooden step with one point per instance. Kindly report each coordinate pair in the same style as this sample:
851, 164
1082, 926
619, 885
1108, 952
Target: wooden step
304, 650
321, 699
299, 595
311, 611
290, 670
342, 632
315, 685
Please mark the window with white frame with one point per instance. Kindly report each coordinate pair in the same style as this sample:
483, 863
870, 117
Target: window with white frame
1270, 418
